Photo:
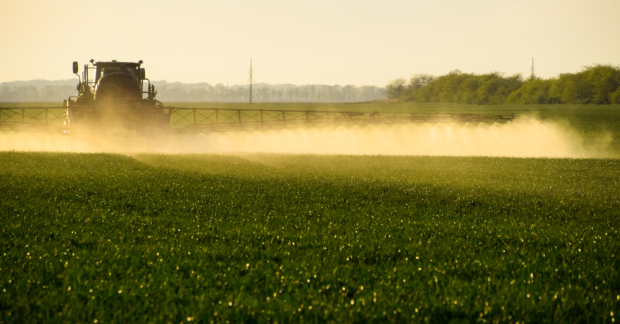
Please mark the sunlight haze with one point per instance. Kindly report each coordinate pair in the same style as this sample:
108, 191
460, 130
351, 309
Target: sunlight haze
311, 42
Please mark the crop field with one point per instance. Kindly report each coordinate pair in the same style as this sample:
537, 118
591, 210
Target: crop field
111, 238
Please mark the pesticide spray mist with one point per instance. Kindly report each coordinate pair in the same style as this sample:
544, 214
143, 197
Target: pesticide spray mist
516, 139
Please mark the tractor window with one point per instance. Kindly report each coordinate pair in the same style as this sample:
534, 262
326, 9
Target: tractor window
91, 75
109, 70
115, 69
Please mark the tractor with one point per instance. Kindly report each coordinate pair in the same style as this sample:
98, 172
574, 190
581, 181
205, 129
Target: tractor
113, 101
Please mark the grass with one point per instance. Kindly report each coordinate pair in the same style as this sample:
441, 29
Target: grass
309, 238
288, 238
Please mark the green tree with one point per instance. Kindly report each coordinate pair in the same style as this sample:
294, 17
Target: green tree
533, 91
596, 84
395, 88
418, 81
615, 97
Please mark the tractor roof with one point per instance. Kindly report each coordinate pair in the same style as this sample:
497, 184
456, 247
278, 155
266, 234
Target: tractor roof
111, 64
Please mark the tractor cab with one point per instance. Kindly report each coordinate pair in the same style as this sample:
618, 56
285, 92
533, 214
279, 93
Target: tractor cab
112, 80
105, 68
115, 98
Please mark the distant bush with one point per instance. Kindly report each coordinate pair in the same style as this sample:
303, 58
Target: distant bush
594, 85
458, 87
533, 91
396, 88
615, 97
597, 84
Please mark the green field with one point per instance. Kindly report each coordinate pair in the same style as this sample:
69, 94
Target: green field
108, 238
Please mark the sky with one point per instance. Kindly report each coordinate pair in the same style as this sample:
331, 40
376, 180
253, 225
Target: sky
307, 42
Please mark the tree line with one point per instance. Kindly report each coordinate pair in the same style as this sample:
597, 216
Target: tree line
36, 93
596, 84
56, 91
269, 93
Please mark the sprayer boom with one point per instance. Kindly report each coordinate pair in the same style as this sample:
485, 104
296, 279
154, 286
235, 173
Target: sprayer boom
207, 120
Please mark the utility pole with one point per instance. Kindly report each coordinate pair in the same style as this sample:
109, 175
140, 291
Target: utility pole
250, 81
532, 76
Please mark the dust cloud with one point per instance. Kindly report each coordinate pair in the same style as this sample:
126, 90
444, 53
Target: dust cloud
514, 139
24, 141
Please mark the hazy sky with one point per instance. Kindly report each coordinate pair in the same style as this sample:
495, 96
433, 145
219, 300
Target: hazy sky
302, 42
